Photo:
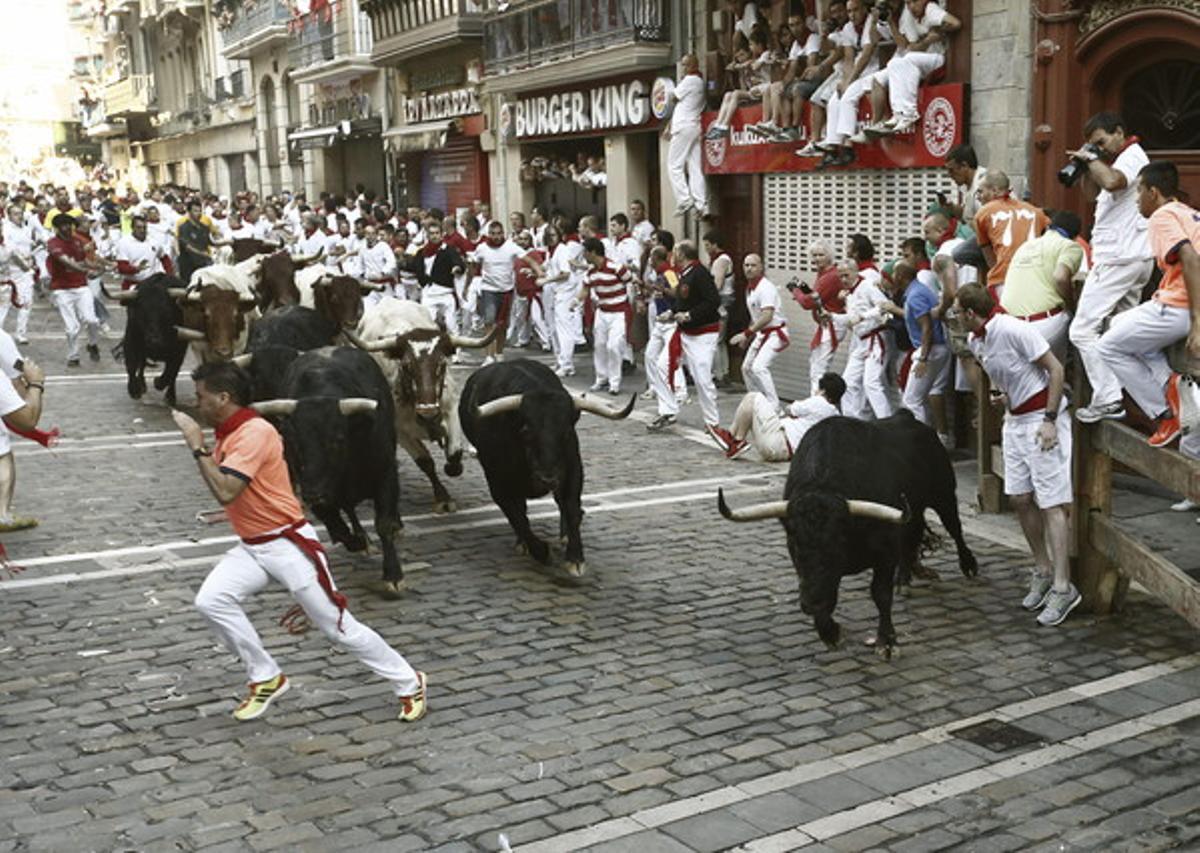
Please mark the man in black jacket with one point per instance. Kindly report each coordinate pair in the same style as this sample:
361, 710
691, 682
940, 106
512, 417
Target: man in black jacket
436, 265
698, 319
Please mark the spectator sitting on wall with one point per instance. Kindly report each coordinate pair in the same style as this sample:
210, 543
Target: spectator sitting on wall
783, 105
754, 67
920, 31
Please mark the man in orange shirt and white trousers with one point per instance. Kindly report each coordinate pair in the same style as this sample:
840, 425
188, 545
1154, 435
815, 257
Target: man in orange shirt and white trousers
1132, 348
247, 473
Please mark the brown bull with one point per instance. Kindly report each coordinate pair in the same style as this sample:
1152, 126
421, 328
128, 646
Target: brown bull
215, 322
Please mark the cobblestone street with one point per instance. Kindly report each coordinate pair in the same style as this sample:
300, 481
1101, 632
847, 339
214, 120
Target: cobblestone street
675, 699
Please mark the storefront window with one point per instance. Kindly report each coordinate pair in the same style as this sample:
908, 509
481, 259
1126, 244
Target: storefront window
1162, 105
567, 176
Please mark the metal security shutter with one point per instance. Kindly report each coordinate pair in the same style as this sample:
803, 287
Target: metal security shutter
454, 176
886, 205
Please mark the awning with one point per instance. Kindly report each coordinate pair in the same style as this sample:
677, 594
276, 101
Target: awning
314, 137
417, 137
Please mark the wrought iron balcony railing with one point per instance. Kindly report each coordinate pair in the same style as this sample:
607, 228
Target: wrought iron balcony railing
321, 38
398, 19
255, 27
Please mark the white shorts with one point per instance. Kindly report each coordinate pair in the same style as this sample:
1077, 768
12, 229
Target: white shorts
1029, 469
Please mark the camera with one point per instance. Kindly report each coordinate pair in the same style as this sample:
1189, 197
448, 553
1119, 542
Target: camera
1070, 174
796, 283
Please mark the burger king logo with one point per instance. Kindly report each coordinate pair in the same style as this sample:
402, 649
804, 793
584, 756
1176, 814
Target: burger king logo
505, 120
938, 127
714, 150
661, 104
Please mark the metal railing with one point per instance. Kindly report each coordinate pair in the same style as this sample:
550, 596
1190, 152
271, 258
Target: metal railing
133, 94
553, 30
395, 17
247, 23
321, 40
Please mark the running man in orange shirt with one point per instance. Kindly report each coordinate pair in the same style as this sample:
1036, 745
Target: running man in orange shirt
1003, 224
1133, 345
247, 473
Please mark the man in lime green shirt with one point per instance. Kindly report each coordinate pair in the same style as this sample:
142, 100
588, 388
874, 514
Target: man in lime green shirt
1038, 284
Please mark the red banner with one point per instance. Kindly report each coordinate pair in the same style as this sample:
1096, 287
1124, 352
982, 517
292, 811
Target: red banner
941, 127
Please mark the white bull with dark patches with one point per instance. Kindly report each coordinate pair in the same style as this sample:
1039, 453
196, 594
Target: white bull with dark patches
414, 352
219, 308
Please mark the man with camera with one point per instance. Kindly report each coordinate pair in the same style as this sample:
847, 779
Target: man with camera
1121, 260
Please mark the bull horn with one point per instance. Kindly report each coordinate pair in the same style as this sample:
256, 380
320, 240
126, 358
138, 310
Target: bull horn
754, 512
323, 281
247, 299
243, 360
871, 509
371, 286
123, 295
357, 405
279, 408
509, 403
372, 346
586, 404
464, 342
193, 294
186, 334
177, 292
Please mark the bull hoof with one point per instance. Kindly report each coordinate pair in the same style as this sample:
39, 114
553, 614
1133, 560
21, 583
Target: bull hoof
924, 573
448, 505
159, 383
393, 590
136, 390
356, 543
453, 469
575, 570
969, 566
887, 651
520, 550
169, 397
833, 638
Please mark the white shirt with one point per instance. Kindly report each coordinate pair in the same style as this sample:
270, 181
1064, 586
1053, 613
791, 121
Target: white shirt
245, 231
970, 196
539, 236
689, 103
162, 236
1119, 233
19, 240
378, 262
966, 274
627, 252
562, 260
810, 47
765, 295
643, 232
309, 244
915, 30
803, 415
496, 265
8, 270
865, 301
134, 251
263, 230
1007, 350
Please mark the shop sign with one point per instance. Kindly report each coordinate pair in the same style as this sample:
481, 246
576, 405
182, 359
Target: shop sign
422, 79
435, 106
941, 126
613, 106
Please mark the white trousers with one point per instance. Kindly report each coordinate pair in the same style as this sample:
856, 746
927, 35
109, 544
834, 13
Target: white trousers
821, 355
685, 167
520, 323
442, 305
542, 326
567, 326
23, 285
1054, 330
866, 380
77, 307
1132, 349
698, 352
756, 365
757, 420
1109, 287
549, 295
842, 118
904, 75
919, 388
608, 338
657, 363
246, 569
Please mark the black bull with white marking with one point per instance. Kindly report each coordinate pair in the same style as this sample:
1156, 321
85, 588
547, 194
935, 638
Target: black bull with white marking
855, 499
340, 441
522, 423
150, 333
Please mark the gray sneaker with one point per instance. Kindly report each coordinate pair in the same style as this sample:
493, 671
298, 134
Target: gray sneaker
1092, 414
1058, 605
1039, 590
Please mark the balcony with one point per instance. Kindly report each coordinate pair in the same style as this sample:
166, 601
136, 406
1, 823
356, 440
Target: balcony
132, 95
533, 35
404, 29
230, 88
330, 47
257, 28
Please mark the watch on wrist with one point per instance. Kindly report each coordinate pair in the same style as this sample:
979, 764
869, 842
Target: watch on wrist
1050, 416
197, 452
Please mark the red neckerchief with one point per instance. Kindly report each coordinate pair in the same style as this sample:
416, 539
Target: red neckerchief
308, 233
948, 234
228, 426
1133, 140
982, 333
571, 238
688, 266
923, 265
867, 265
752, 283
693, 74
430, 249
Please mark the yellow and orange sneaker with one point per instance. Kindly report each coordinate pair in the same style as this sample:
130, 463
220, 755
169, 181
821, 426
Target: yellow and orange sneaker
260, 696
412, 708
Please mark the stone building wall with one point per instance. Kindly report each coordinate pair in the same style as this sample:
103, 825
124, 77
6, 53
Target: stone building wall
1001, 86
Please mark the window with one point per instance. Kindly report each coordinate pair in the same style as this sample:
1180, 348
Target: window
1161, 103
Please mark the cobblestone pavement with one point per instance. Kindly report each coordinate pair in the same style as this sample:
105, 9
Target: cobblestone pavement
675, 700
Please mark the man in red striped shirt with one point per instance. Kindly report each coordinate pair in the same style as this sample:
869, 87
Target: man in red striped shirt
610, 284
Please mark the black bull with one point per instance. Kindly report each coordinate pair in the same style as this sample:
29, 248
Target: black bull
855, 499
522, 423
339, 437
150, 333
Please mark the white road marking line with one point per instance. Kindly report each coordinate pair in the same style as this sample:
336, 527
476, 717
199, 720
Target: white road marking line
68, 379
657, 816
28, 450
884, 808
734, 486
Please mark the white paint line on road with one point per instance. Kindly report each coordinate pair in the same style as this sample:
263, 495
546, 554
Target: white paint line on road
68, 379
734, 486
26, 450
657, 816
875, 811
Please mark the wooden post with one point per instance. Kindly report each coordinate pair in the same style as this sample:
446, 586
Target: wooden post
1102, 586
987, 433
